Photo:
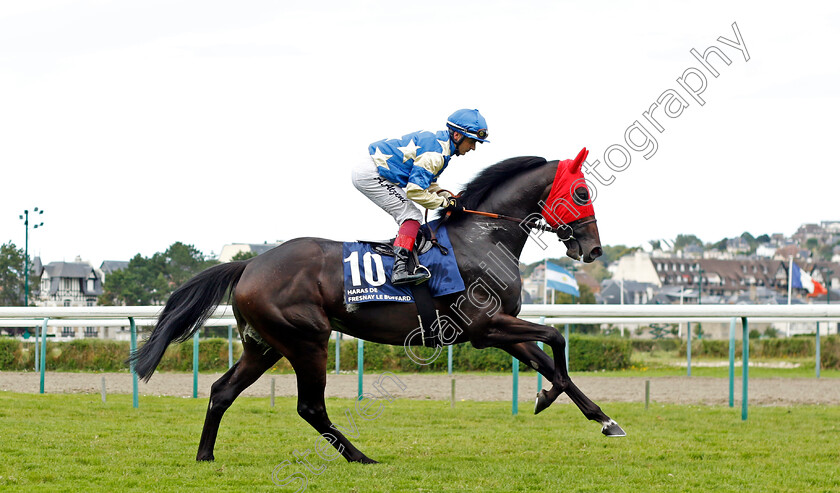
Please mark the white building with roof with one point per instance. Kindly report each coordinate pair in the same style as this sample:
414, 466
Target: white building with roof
636, 267
76, 283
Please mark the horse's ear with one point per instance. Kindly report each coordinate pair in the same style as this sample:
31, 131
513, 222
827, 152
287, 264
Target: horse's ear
578, 162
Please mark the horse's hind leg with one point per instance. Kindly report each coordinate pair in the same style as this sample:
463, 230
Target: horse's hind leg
255, 360
309, 360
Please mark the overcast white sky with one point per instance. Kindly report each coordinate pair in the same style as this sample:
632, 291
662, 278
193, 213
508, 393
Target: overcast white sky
136, 124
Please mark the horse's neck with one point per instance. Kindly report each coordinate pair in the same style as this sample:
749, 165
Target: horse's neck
519, 199
491, 232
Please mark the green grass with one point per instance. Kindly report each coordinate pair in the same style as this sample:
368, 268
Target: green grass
669, 363
76, 443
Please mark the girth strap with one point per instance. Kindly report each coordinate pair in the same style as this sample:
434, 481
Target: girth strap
426, 313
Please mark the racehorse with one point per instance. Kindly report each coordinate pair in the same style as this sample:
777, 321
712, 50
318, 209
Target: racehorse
288, 300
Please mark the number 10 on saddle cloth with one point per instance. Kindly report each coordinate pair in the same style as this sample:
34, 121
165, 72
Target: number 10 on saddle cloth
367, 273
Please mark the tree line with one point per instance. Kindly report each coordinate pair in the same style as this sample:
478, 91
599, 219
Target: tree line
150, 280
12, 269
145, 281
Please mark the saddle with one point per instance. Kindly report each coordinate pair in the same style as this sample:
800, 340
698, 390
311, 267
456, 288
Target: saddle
425, 241
423, 300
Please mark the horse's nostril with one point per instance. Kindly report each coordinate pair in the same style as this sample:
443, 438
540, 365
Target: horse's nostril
595, 253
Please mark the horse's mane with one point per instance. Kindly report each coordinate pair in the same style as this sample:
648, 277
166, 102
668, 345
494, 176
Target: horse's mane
494, 175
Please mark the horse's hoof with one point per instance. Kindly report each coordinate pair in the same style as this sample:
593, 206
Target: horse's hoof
542, 402
208, 458
611, 429
368, 460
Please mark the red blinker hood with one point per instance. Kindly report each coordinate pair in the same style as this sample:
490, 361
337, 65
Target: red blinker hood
560, 206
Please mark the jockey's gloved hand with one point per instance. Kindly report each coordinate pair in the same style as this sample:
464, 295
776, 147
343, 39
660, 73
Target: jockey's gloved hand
453, 204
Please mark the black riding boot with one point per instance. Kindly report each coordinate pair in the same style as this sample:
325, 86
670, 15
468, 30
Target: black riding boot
400, 275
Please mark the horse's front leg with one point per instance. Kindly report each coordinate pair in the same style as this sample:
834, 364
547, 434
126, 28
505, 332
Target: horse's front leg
508, 332
516, 336
537, 359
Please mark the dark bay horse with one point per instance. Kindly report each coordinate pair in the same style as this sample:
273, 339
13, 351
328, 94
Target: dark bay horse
288, 300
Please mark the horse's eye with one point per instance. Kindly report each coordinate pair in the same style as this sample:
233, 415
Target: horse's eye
581, 196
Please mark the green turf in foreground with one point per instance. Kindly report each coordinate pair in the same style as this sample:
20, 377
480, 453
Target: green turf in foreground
76, 443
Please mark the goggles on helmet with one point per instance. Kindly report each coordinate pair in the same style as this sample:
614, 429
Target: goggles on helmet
480, 134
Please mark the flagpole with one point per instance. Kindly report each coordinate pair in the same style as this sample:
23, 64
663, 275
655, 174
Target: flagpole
545, 281
682, 292
622, 302
790, 288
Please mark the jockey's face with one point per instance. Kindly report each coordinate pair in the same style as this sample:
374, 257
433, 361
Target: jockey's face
467, 144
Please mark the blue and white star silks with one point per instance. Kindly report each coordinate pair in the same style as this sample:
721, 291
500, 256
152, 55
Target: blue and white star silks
380, 158
444, 144
414, 161
409, 151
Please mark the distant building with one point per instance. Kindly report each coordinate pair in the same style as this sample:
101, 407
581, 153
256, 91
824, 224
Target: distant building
737, 246
765, 250
231, 250
728, 278
76, 284
808, 231
824, 233
718, 254
832, 227
584, 279
819, 272
111, 266
534, 284
70, 284
634, 293
791, 250
638, 267
692, 251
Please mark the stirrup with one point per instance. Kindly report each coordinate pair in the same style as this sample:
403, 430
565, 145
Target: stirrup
426, 276
419, 269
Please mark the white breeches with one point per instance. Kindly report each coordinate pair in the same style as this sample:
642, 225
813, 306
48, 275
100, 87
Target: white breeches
388, 196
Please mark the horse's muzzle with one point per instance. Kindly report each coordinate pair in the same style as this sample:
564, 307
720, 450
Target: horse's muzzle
586, 243
575, 250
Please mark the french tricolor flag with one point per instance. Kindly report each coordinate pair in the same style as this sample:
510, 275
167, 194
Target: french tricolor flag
800, 279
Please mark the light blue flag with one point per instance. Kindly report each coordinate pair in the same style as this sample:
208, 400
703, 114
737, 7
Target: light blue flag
559, 279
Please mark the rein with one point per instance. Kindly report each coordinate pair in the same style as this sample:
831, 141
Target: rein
565, 229
533, 223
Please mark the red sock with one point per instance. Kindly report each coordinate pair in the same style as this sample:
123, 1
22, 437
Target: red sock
407, 234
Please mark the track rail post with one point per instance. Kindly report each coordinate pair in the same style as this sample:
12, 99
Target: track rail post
515, 404
133, 326
732, 362
195, 364
745, 374
230, 346
360, 364
43, 351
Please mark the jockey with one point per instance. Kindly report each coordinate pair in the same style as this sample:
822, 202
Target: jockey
400, 173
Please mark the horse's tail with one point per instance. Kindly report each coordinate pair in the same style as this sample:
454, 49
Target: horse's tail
185, 312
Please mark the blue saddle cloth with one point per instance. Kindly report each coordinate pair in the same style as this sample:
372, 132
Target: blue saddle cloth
367, 274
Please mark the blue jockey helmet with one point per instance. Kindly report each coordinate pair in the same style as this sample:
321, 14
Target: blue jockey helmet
469, 123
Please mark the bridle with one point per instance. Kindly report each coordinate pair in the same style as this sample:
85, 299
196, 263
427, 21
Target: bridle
564, 229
